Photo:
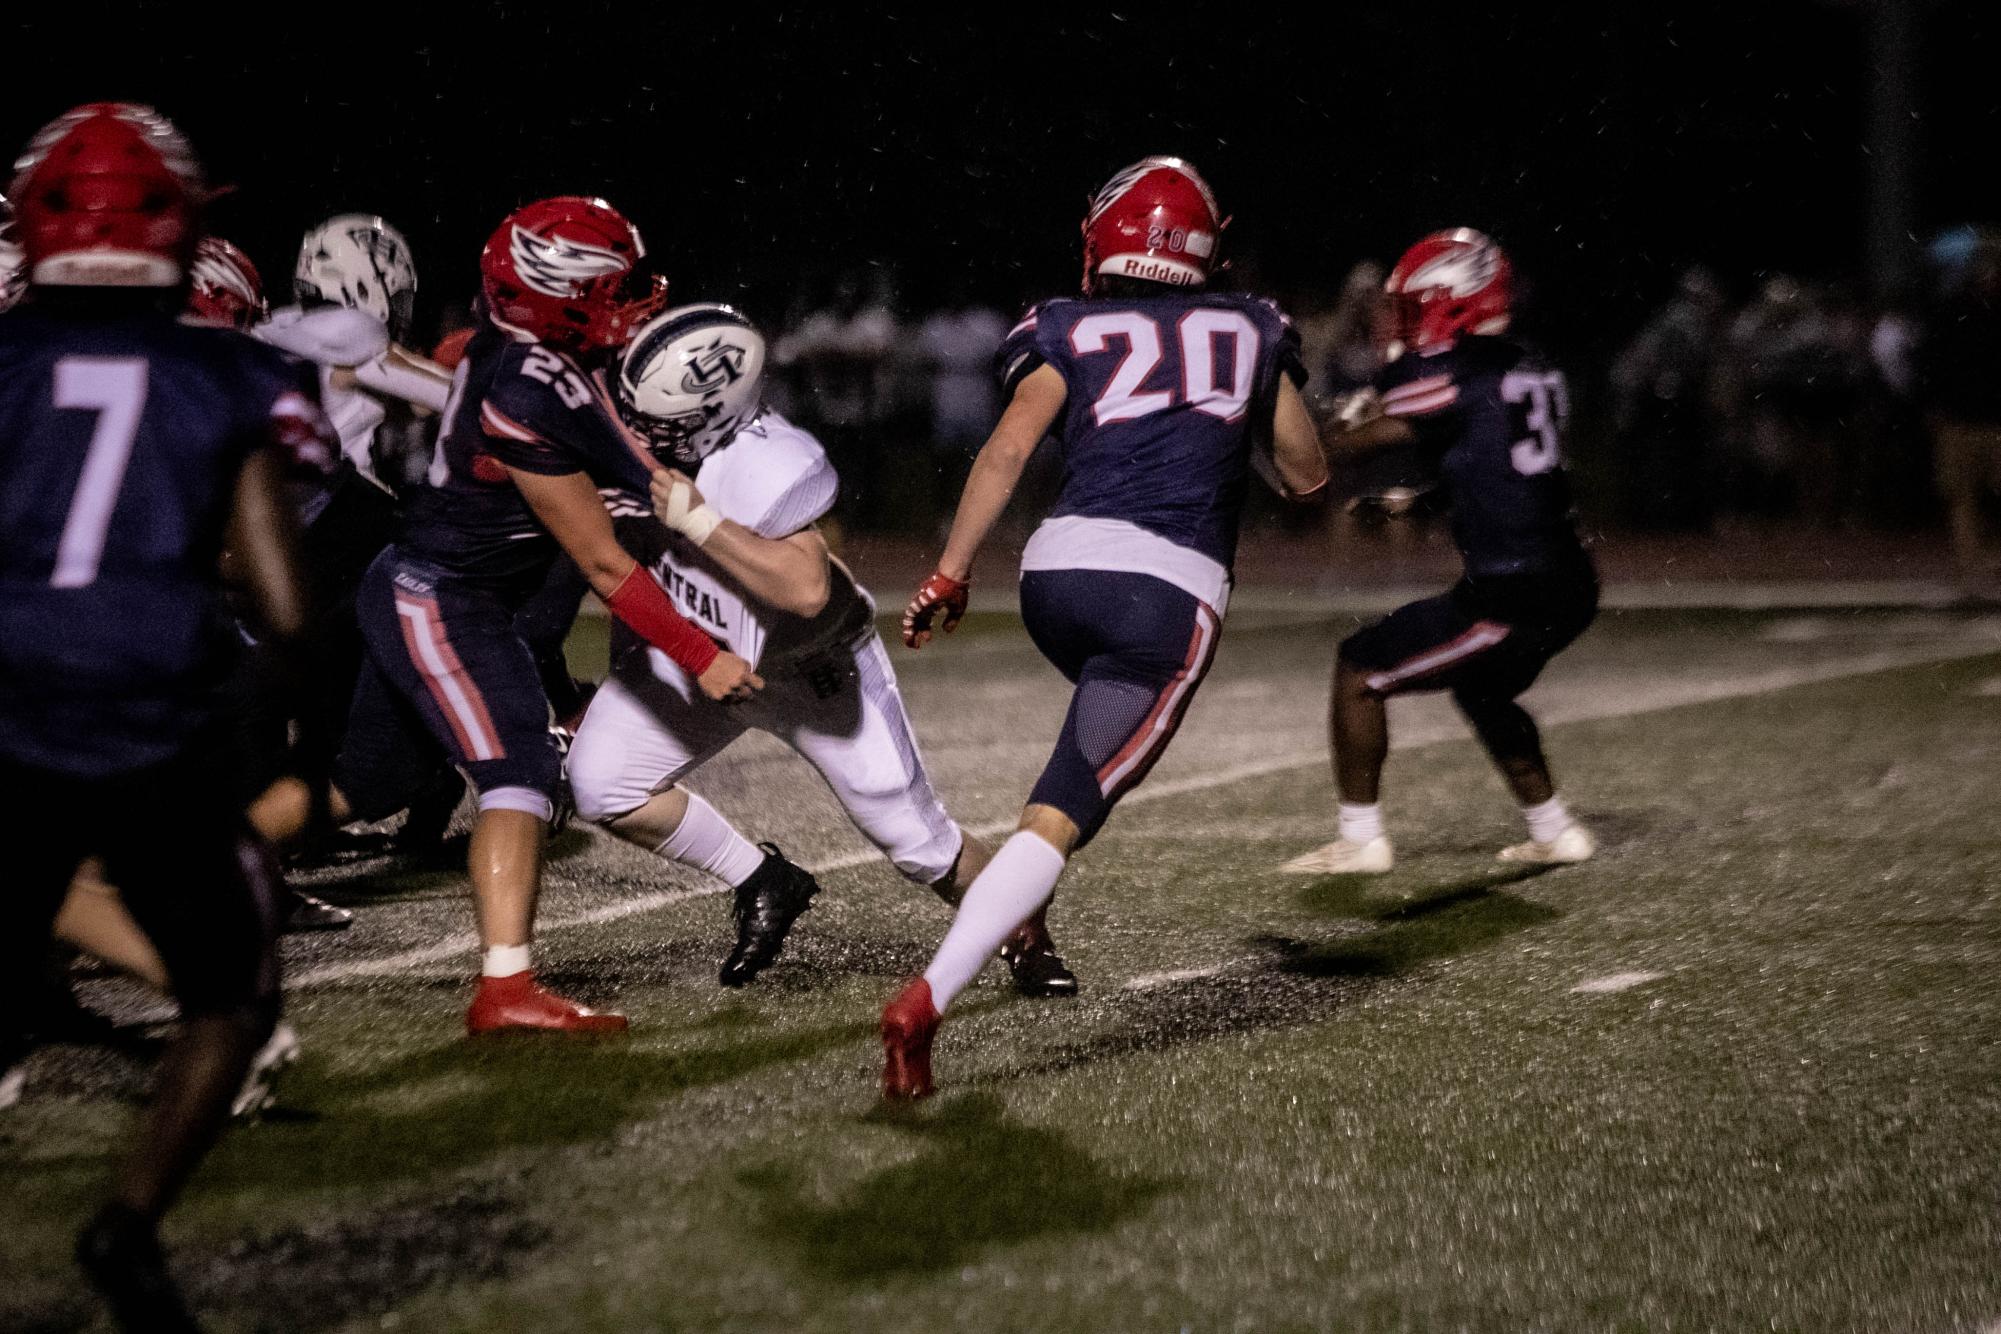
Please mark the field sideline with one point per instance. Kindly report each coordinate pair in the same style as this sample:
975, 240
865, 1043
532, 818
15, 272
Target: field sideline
1281, 1103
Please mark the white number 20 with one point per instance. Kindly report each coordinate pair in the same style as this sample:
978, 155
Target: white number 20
1198, 331
115, 388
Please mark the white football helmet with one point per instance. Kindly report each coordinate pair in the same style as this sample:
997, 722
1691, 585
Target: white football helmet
359, 261
690, 379
13, 262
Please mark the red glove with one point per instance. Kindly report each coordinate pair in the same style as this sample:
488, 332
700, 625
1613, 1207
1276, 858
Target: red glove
642, 604
939, 592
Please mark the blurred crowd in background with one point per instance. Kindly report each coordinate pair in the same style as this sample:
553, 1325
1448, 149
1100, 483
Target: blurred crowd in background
1772, 400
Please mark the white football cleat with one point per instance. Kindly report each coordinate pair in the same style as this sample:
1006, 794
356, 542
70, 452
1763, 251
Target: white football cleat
1574, 844
259, 1090
1344, 857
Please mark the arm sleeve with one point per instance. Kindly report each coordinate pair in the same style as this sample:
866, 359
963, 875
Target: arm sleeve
1021, 352
1423, 394
424, 383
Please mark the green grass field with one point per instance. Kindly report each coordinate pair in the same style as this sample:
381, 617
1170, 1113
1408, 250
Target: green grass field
1281, 1103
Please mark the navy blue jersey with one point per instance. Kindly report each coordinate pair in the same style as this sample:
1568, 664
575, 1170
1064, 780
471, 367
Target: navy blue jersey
1493, 416
513, 405
1167, 397
122, 436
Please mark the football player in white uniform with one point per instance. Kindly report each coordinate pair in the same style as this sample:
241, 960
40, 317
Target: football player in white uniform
741, 556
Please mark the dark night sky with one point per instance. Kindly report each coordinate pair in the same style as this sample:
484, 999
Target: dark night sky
755, 148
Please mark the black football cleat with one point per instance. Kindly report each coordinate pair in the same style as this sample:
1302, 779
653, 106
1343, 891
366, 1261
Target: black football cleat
1038, 970
766, 906
303, 912
120, 1253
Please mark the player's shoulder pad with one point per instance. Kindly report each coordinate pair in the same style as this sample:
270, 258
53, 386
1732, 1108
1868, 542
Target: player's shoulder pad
329, 335
773, 478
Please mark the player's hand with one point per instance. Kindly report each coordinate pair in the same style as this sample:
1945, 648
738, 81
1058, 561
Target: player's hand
729, 679
680, 506
941, 592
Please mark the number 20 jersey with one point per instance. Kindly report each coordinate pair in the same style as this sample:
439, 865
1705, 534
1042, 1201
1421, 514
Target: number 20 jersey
1168, 395
121, 439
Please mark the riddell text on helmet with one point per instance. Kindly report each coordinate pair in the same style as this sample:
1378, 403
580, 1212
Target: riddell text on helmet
1138, 266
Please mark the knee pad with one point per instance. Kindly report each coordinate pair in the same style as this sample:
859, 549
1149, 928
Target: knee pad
599, 784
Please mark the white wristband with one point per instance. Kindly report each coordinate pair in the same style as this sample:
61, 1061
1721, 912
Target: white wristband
692, 521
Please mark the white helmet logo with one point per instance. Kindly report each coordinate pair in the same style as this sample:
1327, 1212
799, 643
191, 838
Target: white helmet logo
558, 265
1460, 272
715, 367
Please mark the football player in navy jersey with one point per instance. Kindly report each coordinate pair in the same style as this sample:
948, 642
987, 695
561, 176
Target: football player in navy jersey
130, 443
1492, 416
1163, 397
528, 439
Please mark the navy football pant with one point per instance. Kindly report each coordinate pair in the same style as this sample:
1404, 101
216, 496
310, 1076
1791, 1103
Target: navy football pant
447, 672
173, 839
1136, 648
1485, 638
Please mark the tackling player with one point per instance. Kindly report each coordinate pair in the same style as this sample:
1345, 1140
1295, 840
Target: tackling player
1492, 415
129, 442
529, 437
1160, 394
740, 552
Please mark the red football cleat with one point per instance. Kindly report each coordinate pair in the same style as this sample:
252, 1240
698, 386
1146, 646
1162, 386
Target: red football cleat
519, 1002
908, 1024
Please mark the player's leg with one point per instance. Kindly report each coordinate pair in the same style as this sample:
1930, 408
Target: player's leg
1547, 613
544, 623
1414, 648
452, 654
210, 907
640, 736
847, 718
1137, 648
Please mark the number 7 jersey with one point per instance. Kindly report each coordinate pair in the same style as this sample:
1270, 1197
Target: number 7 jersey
121, 441
1168, 396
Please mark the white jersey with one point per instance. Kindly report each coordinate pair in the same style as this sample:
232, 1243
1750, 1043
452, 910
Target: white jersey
337, 338
775, 480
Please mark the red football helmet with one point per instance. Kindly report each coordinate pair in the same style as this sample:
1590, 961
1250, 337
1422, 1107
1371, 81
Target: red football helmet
223, 286
1155, 220
1450, 283
108, 195
564, 271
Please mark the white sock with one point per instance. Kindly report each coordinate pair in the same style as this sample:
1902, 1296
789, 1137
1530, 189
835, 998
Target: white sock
1361, 821
506, 960
1547, 820
1020, 878
707, 842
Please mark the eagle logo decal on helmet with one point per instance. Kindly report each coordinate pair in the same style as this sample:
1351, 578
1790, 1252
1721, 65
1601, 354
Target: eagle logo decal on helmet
1462, 272
560, 265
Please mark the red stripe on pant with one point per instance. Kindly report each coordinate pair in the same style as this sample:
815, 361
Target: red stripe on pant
1475, 640
1150, 739
457, 697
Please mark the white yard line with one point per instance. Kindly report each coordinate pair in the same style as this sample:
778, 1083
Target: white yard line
1611, 982
1636, 699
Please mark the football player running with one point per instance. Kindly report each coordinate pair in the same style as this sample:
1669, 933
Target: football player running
529, 437
1160, 393
129, 443
1492, 415
738, 548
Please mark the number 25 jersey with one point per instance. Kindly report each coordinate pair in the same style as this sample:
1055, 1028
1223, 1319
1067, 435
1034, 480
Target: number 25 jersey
1168, 395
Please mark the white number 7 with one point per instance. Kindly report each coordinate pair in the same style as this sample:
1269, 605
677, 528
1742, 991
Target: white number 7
116, 388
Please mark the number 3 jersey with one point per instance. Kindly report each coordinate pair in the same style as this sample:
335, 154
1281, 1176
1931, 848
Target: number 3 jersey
1168, 397
775, 480
121, 440
1492, 416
